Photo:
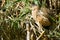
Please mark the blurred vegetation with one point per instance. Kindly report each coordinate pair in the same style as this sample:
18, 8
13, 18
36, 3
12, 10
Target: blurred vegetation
15, 14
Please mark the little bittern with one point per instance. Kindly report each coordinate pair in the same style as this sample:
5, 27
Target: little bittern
40, 16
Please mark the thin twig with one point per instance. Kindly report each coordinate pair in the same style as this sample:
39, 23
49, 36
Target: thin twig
40, 35
6, 35
28, 32
17, 5
50, 4
3, 2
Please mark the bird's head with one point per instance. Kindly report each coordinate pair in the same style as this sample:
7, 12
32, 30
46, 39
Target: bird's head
35, 8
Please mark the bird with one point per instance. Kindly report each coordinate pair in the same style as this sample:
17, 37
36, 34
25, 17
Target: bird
40, 15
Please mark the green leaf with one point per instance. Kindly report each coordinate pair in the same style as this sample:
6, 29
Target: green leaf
52, 18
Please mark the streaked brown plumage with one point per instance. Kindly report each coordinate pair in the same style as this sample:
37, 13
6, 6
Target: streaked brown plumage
41, 16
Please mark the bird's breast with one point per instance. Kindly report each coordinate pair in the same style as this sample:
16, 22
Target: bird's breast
43, 20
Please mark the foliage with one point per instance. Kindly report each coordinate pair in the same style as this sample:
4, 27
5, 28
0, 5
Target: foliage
15, 14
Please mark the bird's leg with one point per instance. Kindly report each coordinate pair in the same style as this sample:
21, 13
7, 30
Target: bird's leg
40, 30
39, 27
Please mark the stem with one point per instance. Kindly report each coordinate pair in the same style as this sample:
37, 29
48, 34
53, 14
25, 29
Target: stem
28, 32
